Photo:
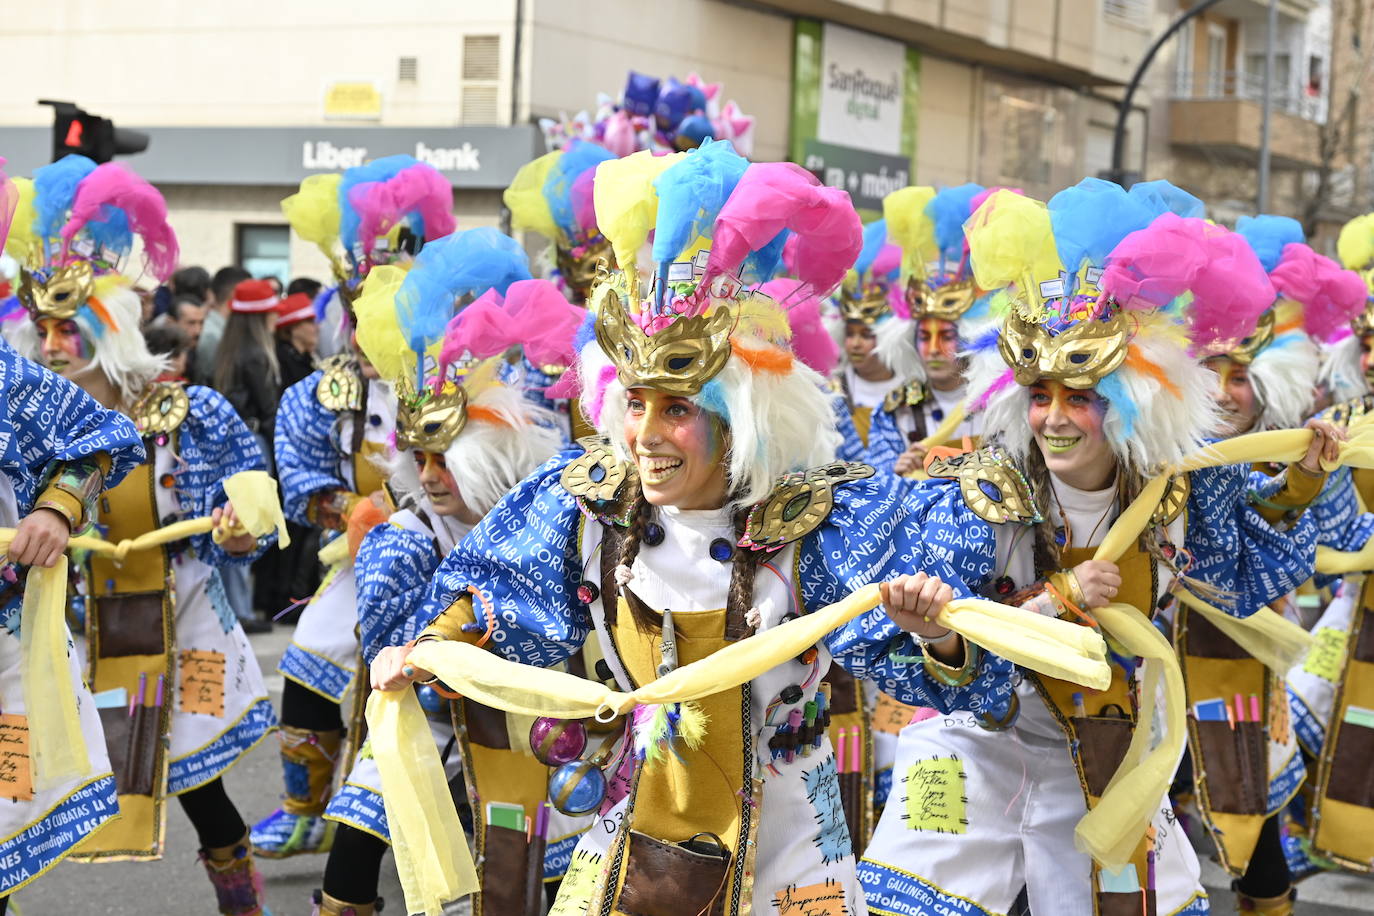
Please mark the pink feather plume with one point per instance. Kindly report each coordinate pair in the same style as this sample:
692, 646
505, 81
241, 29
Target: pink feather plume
811, 340
1331, 296
534, 315
113, 185
419, 188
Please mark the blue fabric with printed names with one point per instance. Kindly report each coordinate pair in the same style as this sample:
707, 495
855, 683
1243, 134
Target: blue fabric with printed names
885, 441
306, 447
851, 446
393, 569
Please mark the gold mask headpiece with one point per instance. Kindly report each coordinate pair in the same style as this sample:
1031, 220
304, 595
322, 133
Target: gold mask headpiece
431, 420
947, 302
1250, 347
866, 302
62, 294
1081, 355
578, 265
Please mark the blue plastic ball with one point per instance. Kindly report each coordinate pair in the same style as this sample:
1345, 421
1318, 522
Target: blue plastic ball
430, 701
577, 788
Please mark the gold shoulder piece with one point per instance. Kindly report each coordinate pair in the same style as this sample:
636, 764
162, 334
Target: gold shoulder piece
1348, 412
597, 479
908, 395
991, 484
161, 409
341, 386
798, 505
1175, 498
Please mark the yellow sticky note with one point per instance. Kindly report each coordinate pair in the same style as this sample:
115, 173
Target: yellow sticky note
824, 899
579, 884
935, 797
1327, 657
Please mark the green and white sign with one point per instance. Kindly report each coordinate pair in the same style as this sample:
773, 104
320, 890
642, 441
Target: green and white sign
854, 108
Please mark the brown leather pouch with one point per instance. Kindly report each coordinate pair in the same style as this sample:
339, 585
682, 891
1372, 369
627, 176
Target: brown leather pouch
1102, 744
486, 726
844, 692
1236, 762
1204, 640
668, 879
1364, 641
1125, 904
133, 743
1352, 766
130, 625
505, 861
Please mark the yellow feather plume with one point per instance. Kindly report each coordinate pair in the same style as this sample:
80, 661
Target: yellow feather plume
1355, 245
761, 317
313, 211
23, 244
911, 229
1011, 241
529, 209
627, 204
379, 334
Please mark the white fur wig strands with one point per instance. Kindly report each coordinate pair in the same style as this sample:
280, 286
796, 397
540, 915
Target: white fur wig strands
122, 355
777, 422
488, 459
896, 348
1339, 371
1153, 427
1284, 376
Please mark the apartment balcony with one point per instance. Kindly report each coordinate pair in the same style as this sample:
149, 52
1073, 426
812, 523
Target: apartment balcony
1219, 114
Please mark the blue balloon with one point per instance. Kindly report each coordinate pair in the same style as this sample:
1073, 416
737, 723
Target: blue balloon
641, 93
577, 788
692, 131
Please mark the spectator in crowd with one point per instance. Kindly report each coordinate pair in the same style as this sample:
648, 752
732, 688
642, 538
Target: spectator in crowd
167, 339
297, 334
221, 293
246, 370
188, 313
308, 285
187, 281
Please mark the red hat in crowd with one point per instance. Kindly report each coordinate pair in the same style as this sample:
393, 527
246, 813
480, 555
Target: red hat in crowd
294, 308
254, 296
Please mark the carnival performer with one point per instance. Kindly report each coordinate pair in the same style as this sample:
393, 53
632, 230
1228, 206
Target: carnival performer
161, 638
333, 428
879, 337
710, 429
945, 307
1090, 386
61, 450
464, 438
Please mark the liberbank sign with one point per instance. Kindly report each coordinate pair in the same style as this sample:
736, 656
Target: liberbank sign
470, 157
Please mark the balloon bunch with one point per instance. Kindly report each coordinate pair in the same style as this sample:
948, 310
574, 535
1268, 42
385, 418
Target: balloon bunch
656, 114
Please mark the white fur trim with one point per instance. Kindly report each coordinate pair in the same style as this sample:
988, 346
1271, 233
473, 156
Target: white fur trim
1284, 376
1339, 369
897, 348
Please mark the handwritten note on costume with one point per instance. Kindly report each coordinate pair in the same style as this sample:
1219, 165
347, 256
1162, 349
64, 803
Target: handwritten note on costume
202, 682
579, 884
935, 798
824, 899
890, 716
1326, 660
16, 767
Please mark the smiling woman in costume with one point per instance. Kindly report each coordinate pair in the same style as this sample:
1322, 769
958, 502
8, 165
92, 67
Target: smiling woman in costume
1089, 383
705, 513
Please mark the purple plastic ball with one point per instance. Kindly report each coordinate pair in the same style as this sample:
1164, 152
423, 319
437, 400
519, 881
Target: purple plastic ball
557, 741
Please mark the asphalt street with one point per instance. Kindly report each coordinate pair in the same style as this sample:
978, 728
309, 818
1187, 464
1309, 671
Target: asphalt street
177, 884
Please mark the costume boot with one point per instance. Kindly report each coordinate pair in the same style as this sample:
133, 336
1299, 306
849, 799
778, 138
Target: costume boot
308, 761
326, 905
1266, 906
237, 883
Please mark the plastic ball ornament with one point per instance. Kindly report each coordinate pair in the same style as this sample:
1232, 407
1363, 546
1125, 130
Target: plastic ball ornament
555, 742
430, 701
577, 788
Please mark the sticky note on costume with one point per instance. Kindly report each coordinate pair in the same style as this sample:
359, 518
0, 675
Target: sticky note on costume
935, 798
575, 893
824, 899
202, 682
1326, 659
16, 766
1125, 881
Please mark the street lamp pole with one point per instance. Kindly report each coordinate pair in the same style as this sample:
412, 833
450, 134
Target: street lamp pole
1118, 170
1262, 191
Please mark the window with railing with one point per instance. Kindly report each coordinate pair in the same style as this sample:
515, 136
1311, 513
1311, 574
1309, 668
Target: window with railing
1248, 85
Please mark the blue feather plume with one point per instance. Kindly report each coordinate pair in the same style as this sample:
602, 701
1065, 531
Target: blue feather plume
949, 210
1268, 234
54, 189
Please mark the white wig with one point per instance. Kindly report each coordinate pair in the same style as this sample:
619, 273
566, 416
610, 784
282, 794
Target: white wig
777, 421
1148, 421
897, 348
492, 454
120, 352
1284, 376
1338, 369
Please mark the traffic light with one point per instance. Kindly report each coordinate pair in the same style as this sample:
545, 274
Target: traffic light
76, 131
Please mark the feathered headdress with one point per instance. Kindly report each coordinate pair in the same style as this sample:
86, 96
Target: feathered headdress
1091, 286
690, 322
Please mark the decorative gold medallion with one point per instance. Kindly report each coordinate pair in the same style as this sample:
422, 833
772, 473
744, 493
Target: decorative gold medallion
597, 480
1080, 357
341, 385
909, 395
59, 296
948, 302
1174, 500
1347, 412
430, 421
161, 409
799, 503
676, 360
991, 484
1250, 347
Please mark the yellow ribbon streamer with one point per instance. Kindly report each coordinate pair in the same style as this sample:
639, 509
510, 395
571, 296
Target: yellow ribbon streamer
58, 746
